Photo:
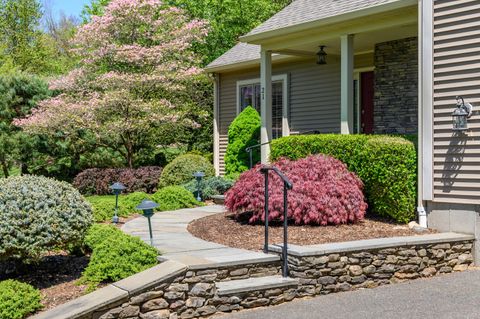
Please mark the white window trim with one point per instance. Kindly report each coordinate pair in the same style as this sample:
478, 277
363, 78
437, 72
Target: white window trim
285, 98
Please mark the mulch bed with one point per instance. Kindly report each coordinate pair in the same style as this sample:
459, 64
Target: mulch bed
224, 229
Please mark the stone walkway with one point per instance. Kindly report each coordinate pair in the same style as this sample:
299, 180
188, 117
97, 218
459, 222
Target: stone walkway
172, 239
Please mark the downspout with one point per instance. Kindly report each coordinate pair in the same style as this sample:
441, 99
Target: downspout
422, 214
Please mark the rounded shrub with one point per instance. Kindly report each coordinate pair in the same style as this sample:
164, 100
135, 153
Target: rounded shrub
181, 169
17, 299
39, 214
324, 192
115, 255
242, 133
209, 187
173, 198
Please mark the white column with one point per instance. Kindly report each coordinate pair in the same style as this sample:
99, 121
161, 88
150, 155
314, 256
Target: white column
346, 103
266, 103
216, 133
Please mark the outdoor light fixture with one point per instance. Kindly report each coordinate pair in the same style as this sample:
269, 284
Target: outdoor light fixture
147, 206
198, 176
117, 189
461, 114
322, 55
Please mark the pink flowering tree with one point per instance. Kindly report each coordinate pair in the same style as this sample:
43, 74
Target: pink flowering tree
136, 81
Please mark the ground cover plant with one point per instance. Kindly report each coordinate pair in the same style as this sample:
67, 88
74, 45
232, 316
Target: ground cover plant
17, 299
182, 168
115, 255
243, 132
210, 187
325, 192
97, 181
173, 198
39, 214
385, 164
103, 206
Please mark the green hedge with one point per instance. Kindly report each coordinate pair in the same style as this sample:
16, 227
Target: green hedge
181, 169
18, 299
387, 166
115, 255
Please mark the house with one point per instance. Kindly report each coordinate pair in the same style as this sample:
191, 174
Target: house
392, 66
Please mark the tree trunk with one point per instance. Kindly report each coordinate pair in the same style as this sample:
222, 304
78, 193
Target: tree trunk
5, 169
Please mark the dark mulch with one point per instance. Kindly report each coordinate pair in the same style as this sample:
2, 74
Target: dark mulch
225, 230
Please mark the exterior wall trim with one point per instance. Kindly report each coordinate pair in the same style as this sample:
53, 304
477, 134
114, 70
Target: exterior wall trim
285, 108
216, 124
425, 101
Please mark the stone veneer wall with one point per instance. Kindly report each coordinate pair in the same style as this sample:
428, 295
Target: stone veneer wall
193, 293
396, 87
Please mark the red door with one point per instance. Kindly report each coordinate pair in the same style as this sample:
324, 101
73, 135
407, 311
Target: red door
366, 101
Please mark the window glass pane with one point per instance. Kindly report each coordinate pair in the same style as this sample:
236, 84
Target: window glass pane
277, 109
257, 97
246, 96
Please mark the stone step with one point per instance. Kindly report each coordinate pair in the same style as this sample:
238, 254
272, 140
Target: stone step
226, 288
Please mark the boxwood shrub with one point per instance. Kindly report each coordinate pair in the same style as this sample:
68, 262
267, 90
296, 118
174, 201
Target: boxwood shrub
39, 214
17, 299
181, 169
242, 133
173, 198
386, 165
115, 255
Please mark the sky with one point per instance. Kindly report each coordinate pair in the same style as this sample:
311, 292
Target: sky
69, 7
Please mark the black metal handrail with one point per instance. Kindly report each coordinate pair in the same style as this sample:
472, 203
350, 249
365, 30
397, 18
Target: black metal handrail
250, 149
287, 185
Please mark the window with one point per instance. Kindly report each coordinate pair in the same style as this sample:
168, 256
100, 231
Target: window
249, 95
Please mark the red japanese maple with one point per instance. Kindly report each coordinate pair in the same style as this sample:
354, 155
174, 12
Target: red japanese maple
324, 192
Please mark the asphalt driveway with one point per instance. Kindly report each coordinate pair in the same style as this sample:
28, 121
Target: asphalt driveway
447, 296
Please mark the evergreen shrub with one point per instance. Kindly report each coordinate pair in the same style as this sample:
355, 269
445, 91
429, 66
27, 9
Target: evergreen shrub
387, 166
243, 132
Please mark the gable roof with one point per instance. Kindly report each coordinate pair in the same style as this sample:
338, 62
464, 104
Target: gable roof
242, 52
304, 11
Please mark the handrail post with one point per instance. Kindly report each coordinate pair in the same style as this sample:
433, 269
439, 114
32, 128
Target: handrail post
265, 246
285, 232
250, 151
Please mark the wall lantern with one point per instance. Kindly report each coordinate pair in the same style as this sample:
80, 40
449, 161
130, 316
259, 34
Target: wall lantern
117, 189
198, 176
461, 114
147, 206
322, 56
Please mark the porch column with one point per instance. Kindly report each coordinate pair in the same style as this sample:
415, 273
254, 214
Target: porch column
216, 133
346, 101
266, 103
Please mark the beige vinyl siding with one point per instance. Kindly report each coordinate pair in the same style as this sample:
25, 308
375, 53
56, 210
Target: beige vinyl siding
314, 97
456, 72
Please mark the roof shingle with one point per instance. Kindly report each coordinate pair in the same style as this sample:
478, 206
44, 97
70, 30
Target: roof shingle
304, 11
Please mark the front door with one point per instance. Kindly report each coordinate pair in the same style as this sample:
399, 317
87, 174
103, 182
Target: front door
366, 101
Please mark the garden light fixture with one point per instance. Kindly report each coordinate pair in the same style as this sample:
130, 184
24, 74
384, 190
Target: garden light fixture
322, 56
461, 114
117, 189
147, 206
198, 176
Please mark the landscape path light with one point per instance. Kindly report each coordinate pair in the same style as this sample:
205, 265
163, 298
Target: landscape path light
117, 189
198, 176
147, 206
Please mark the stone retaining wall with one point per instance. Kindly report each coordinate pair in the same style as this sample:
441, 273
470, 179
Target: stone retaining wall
174, 290
323, 274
